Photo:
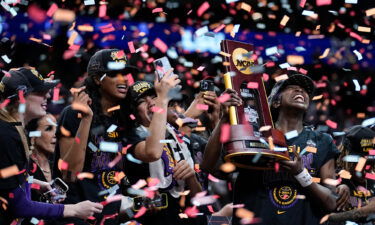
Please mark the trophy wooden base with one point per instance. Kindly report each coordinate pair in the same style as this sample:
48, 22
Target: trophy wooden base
247, 151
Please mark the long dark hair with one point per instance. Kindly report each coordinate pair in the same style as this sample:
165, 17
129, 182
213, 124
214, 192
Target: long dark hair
99, 119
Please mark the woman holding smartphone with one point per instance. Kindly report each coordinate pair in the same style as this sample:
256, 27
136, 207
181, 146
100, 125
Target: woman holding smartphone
24, 96
91, 135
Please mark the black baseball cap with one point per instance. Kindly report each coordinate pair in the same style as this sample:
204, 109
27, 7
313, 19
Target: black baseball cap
296, 79
109, 60
359, 140
140, 89
27, 79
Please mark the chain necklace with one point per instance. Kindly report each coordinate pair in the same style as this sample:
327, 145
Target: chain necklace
37, 163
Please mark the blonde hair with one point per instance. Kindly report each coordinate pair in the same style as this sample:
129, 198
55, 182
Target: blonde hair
7, 114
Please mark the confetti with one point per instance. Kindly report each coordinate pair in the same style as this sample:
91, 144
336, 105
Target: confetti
62, 165
106, 146
271, 51
111, 128
6, 59
159, 44
114, 108
131, 158
157, 10
225, 133
281, 77
89, 2
370, 12
212, 178
331, 124
102, 11
52, 9
140, 184
323, 2
223, 98
291, 134
227, 167
370, 176
361, 163
140, 213
358, 54
219, 28
202, 107
203, 8
245, 6
284, 20
253, 85
364, 29
302, 3
64, 132
311, 149
324, 219
85, 175
63, 15
345, 174
131, 47
36, 133
9, 171
115, 161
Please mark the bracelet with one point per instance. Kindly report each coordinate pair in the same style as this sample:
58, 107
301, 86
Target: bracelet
304, 178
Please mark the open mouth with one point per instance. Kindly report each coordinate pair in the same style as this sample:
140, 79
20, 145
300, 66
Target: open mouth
44, 106
122, 88
299, 98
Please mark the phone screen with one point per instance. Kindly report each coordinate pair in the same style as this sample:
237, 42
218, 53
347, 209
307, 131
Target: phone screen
162, 65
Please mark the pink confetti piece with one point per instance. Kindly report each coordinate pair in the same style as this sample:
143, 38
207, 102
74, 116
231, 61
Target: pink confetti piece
225, 133
115, 161
302, 3
303, 71
370, 176
158, 43
266, 77
212, 178
152, 181
129, 79
110, 199
21, 97
331, 124
62, 165
52, 9
131, 47
132, 117
189, 12
372, 152
56, 94
323, 2
356, 36
157, 10
140, 184
35, 186
203, 8
140, 213
156, 109
252, 85
219, 28
36, 14
202, 107
277, 167
85, 175
201, 68
223, 98
102, 11
191, 212
210, 208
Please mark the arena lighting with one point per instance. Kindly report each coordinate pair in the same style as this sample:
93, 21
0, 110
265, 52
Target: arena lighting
189, 42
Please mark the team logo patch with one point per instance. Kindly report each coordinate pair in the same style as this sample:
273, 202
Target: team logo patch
284, 196
107, 179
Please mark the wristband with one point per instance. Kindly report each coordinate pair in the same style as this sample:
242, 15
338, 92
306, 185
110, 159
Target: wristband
304, 178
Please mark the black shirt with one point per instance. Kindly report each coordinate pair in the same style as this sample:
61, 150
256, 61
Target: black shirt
12, 153
276, 197
96, 162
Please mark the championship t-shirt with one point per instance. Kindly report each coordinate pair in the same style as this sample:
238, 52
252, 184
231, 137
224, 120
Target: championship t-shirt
104, 143
277, 198
164, 169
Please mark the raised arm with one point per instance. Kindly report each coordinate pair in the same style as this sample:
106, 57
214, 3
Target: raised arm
213, 148
72, 151
151, 149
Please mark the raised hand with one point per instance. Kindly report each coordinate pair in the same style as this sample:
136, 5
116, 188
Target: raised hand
81, 102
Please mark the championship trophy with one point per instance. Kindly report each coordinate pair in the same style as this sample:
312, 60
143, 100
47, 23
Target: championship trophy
249, 146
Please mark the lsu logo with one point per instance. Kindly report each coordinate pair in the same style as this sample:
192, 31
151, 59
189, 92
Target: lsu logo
118, 56
241, 60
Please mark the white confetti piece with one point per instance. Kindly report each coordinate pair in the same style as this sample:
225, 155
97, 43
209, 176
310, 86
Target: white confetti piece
108, 146
34, 220
30, 179
6, 59
357, 86
351, 158
284, 65
92, 147
271, 51
36, 133
368, 122
308, 13
166, 141
201, 31
21, 108
89, 2
351, 1
280, 149
130, 157
358, 54
300, 49
111, 128
291, 134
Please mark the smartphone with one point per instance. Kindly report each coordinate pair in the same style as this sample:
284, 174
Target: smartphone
58, 192
159, 201
162, 65
206, 85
